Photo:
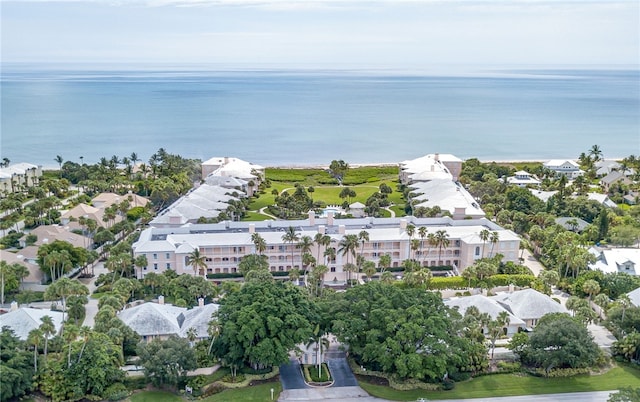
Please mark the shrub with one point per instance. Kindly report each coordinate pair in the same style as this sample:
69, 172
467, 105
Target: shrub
451, 282
505, 280
116, 392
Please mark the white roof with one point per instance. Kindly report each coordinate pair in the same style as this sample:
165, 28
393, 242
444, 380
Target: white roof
615, 259
543, 195
446, 194
357, 205
18, 168
151, 319
529, 304
484, 305
559, 162
25, 319
602, 199
634, 295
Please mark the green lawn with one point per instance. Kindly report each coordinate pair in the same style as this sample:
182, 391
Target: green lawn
513, 384
155, 396
254, 216
260, 392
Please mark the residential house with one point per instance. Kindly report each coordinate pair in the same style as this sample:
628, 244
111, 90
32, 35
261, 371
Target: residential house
25, 319
160, 320
564, 167
616, 260
487, 305
634, 296
105, 200
528, 305
35, 274
70, 218
614, 177
571, 223
522, 178
46, 234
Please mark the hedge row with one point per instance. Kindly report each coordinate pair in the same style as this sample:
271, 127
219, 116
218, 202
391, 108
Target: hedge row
394, 382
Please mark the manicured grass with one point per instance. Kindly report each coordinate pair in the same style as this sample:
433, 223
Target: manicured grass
155, 396
399, 210
251, 393
254, 216
514, 384
264, 200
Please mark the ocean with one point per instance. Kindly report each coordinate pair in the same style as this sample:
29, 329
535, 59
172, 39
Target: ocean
310, 117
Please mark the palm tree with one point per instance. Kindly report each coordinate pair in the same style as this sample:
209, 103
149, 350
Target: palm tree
84, 333
321, 240
347, 247
591, 287
48, 329
35, 339
484, 236
304, 244
369, 269
213, 329
321, 344
441, 241
422, 232
58, 159
329, 254
259, 242
192, 335
494, 238
386, 277
625, 302
319, 272
294, 275
141, 262
384, 262
70, 334
5, 271
363, 237
595, 152
290, 236
197, 261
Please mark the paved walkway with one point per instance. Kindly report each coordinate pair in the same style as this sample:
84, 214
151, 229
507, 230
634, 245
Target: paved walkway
531, 263
91, 308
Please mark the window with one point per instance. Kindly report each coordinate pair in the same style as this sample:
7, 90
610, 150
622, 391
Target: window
168, 265
155, 256
225, 258
167, 256
333, 269
478, 251
155, 266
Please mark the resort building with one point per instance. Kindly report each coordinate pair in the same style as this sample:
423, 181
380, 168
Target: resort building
433, 182
248, 173
564, 167
26, 258
224, 244
19, 177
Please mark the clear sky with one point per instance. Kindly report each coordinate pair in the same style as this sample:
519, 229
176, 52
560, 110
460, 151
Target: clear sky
322, 33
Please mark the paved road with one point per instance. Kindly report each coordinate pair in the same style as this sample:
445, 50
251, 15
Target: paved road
341, 373
291, 376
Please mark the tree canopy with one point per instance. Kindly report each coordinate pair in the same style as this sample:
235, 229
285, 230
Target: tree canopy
261, 323
409, 332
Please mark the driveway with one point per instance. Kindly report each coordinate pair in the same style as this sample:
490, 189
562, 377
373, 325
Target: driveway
291, 376
341, 373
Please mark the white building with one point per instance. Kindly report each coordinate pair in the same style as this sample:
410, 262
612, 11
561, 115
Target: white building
25, 319
160, 320
19, 177
433, 182
564, 167
522, 178
489, 306
224, 244
613, 260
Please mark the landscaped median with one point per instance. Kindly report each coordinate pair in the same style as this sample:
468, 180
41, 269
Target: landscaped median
315, 379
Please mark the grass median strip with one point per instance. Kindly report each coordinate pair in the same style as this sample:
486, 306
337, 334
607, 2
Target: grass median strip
516, 384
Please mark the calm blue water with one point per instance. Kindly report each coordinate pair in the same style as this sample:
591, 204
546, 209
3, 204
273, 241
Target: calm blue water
278, 118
